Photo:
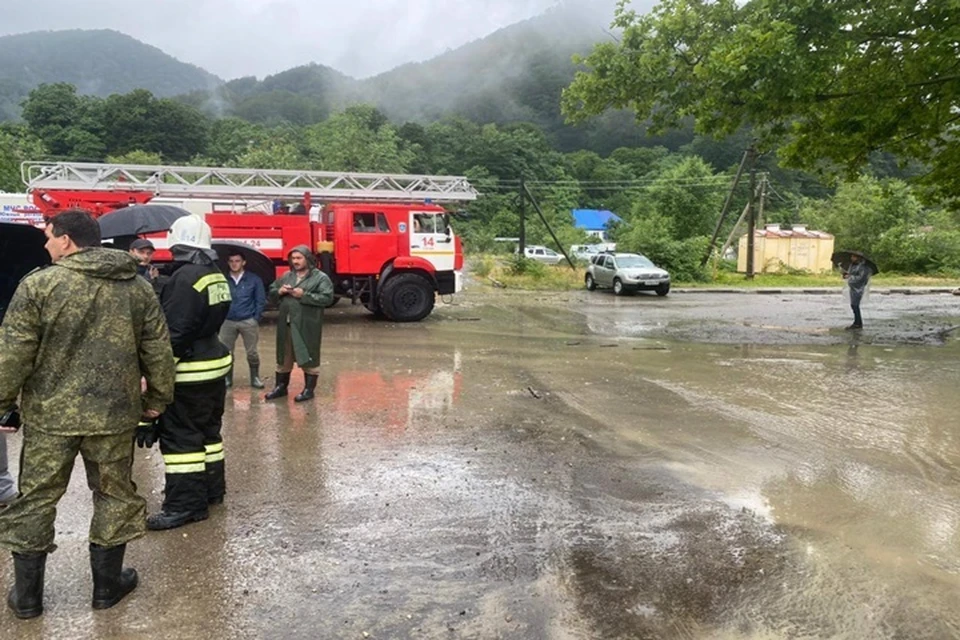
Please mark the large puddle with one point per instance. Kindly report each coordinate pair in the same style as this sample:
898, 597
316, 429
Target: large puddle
567, 467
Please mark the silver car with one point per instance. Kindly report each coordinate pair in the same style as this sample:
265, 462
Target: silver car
626, 273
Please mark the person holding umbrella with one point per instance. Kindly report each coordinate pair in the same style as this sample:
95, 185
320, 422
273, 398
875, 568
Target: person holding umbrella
857, 276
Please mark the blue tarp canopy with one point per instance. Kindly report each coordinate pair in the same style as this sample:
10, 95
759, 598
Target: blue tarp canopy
594, 219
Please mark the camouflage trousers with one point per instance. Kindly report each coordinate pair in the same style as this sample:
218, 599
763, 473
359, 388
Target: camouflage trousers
46, 461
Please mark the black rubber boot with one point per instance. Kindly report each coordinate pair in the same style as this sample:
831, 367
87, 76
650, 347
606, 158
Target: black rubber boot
172, 520
26, 596
111, 582
255, 380
280, 391
310, 383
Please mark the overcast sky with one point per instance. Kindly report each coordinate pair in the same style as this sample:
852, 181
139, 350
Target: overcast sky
233, 38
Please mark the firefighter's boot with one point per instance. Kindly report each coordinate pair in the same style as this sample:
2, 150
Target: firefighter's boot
172, 519
111, 582
26, 596
310, 383
255, 380
280, 391
229, 379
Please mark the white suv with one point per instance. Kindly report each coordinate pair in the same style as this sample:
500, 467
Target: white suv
626, 273
542, 254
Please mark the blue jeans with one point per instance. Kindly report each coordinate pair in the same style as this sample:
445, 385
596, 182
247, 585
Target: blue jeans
857, 320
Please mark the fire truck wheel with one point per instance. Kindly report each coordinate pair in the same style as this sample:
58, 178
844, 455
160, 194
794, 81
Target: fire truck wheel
407, 297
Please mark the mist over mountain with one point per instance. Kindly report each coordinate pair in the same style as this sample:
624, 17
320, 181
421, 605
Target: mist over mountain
513, 75
99, 62
516, 74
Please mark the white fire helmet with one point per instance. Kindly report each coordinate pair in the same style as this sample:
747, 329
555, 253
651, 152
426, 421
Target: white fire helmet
189, 231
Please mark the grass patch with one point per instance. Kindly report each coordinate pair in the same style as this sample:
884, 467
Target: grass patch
783, 280
526, 274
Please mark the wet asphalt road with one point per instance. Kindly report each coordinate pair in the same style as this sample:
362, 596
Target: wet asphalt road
570, 466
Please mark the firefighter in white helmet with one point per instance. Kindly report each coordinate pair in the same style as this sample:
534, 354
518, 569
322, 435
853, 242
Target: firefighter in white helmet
195, 300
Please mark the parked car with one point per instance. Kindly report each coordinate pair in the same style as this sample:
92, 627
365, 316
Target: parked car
542, 254
626, 273
586, 251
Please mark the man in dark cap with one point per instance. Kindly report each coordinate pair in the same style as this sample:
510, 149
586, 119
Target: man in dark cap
142, 251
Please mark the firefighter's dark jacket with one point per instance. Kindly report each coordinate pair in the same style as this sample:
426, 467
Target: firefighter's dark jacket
195, 300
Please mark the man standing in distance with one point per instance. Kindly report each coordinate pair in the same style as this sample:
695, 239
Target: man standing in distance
195, 300
858, 278
76, 340
246, 308
302, 293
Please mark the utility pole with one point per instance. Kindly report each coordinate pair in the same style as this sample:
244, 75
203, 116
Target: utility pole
726, 205
763, 197
521, 251
752, 215
733, 232
543, 219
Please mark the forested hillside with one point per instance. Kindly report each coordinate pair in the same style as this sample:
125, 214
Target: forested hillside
513, 75
95, 62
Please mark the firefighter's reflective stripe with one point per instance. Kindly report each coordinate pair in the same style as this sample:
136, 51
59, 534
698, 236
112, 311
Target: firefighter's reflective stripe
214, 452
185, 462
204, 370
218, 290
209, 279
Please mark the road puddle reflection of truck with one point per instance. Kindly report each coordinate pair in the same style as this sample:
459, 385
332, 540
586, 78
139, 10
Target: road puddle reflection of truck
398, 401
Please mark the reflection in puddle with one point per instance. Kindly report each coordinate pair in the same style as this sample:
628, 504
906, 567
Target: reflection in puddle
398, 400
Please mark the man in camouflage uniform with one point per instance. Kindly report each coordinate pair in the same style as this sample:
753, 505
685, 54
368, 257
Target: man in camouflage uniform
77, 338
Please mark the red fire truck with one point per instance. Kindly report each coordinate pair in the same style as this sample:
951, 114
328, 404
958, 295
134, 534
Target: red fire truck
383, 239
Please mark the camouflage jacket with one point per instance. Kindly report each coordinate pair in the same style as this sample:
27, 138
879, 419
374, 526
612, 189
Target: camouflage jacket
77, 337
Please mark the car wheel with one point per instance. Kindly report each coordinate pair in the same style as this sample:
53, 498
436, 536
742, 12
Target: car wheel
663, 290
618, 287
588, 281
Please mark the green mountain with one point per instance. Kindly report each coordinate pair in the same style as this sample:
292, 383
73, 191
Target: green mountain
98, 62
513, 75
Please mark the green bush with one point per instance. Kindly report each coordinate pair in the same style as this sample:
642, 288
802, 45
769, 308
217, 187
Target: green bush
653, 237
523, 266
482, 266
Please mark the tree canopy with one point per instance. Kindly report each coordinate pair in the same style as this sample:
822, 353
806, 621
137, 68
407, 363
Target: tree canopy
826, 84
668, 199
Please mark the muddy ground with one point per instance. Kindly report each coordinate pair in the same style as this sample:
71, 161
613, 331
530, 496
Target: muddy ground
570, 466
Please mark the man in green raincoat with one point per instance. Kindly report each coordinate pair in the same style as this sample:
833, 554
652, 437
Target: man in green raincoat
302, 295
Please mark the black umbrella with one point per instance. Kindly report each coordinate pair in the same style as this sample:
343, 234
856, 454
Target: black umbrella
257, 262
140, 218
21, 246
842, 260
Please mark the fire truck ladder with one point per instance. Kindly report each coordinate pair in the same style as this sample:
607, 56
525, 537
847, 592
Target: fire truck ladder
217, 182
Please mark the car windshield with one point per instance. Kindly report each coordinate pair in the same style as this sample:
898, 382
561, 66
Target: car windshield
630, 262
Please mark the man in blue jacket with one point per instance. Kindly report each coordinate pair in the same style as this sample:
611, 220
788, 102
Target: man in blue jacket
246, 309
